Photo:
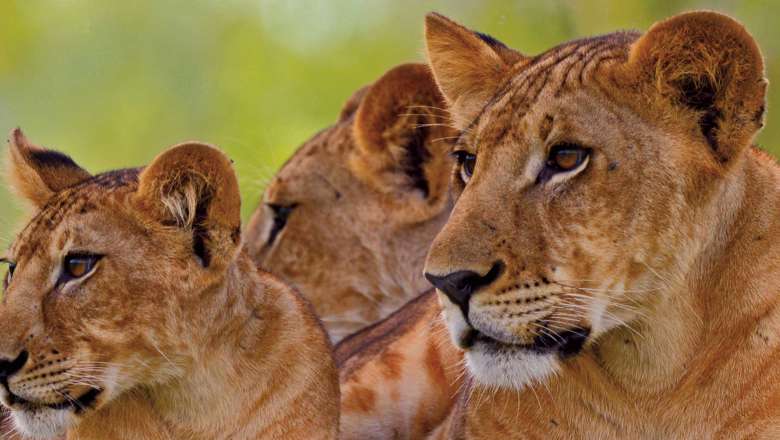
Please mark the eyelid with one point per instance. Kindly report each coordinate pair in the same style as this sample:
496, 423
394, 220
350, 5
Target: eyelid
458, 153
564, 144
84, 254
277, 206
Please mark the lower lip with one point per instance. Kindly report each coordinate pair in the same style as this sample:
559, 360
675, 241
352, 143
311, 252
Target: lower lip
78, 405
567, 344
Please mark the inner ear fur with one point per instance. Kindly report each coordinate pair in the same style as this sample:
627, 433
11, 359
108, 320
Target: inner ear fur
707, 66
469, 67
403, 135
37, 173
193, 187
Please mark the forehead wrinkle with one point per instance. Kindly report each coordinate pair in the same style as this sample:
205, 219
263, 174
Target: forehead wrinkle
582, 51
38, 233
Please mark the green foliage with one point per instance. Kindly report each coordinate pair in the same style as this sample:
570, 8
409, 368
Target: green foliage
114, 83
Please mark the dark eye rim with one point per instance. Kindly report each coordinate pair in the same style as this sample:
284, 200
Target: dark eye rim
10, 274
281, 214
91, 258
461, 156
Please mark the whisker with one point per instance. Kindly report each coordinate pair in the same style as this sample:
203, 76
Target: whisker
445, 138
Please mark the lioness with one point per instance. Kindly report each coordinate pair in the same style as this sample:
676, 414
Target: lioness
130, 312
349, 219
612, 266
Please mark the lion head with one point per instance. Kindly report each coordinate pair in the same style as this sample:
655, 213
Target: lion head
349, 218
110, 286
590, 179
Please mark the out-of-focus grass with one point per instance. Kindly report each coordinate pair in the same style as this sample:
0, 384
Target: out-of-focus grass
114, 83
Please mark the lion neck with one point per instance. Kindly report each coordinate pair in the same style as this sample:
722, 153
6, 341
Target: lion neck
708, 297
237, 325
403, 258
717, 324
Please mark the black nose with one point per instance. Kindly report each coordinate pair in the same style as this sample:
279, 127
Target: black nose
9, 367
460, 285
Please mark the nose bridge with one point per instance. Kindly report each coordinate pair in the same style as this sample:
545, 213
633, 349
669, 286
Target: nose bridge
12, 334
18, 311
467, 241
459, 246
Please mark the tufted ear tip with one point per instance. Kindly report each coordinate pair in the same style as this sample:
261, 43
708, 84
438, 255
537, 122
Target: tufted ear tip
17, 138
37, 173
434, 20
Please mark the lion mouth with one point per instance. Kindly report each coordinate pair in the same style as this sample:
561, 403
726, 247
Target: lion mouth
78, 405
566, 343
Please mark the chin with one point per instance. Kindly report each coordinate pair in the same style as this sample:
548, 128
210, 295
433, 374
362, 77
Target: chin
42, 423
51, 421
510, 367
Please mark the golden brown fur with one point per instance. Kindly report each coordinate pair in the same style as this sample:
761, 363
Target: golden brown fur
364, 198
369, 195
636, 294
172, 333
399, 377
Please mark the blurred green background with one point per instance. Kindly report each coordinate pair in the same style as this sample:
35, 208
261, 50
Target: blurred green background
113, 83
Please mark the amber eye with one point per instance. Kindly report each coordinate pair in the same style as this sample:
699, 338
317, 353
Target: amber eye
466, 163
78, 265
566, 157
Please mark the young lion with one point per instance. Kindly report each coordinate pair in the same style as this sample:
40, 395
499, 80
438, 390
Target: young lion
612, 265
349, 220
130, 311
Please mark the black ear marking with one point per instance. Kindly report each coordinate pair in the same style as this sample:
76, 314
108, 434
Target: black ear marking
696, 92
52, 159
489, 39
758, 118
709, 122
415, 157
200, 235
699, 93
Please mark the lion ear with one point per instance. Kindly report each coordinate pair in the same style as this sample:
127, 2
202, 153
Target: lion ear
707, 65
193, 187
469, 67
350, 107
37, 173
403, 137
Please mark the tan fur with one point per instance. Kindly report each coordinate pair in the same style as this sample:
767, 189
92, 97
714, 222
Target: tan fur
369, 193
175, 327
400, 376
355, 245
662, 245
